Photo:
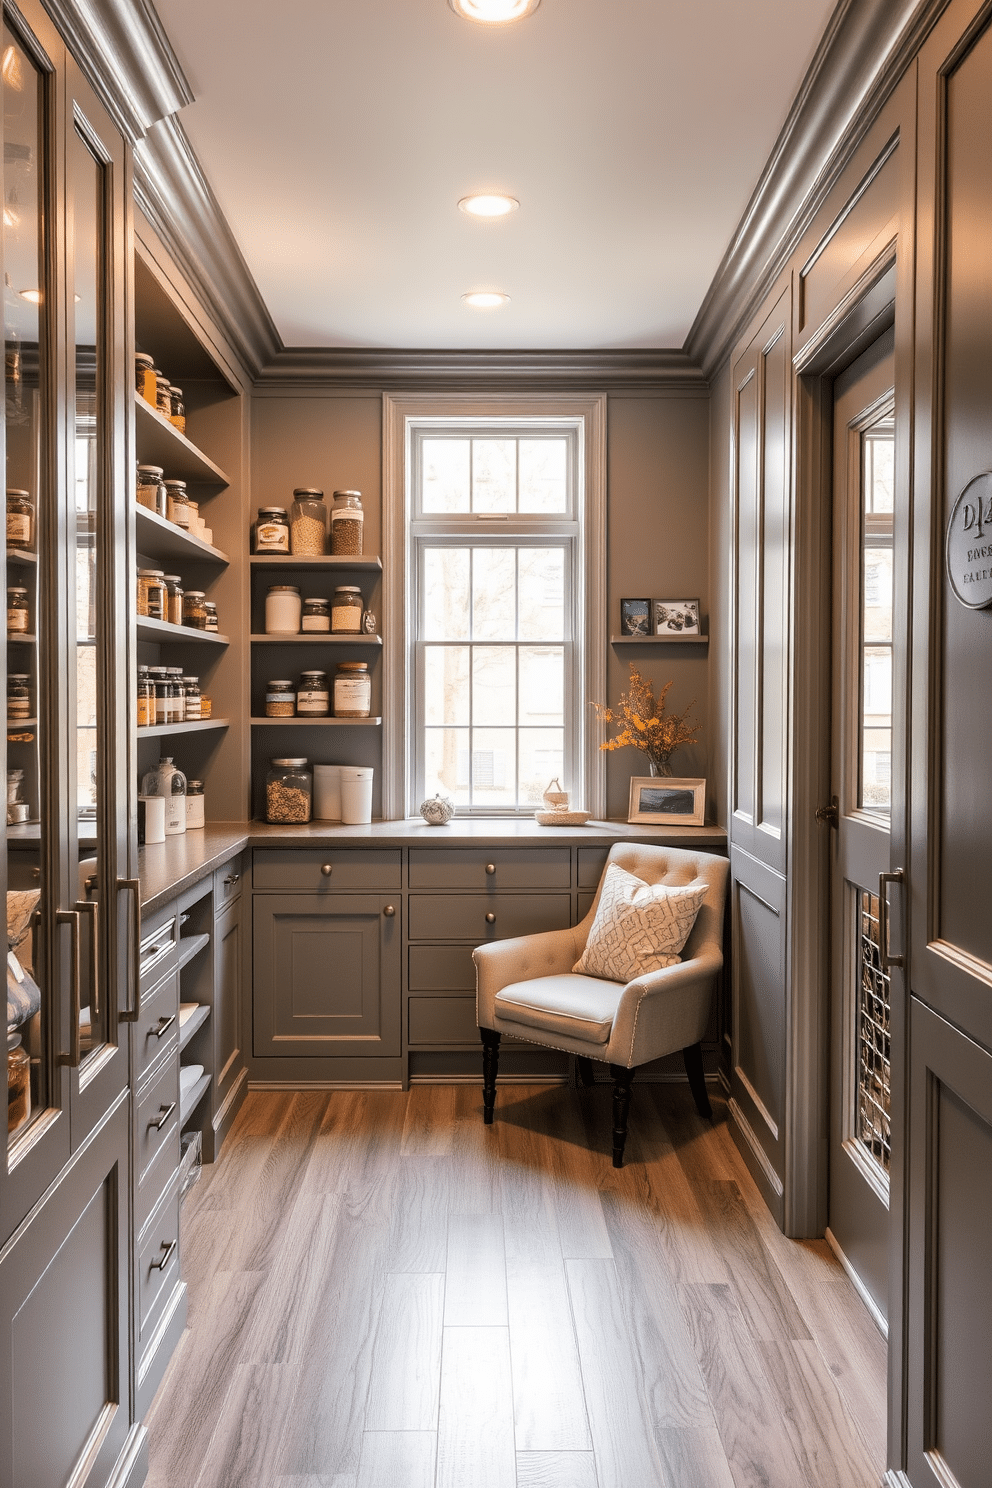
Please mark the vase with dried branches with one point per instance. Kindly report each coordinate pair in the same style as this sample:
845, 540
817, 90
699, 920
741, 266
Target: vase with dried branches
644, 724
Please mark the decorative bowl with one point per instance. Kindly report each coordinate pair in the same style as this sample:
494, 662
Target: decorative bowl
437, 811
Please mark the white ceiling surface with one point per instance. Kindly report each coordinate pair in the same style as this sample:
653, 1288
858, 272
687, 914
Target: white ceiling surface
338, 138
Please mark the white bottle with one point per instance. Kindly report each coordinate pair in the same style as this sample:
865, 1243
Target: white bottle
165, 780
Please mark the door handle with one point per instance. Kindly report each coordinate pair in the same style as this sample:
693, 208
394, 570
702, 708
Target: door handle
130, 1013
886, 961
74, 1057
828, 814
91, 908
166, 1252
164, 1112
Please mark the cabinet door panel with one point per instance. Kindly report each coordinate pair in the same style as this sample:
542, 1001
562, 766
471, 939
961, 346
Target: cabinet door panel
326, 975
227, 998
463, 916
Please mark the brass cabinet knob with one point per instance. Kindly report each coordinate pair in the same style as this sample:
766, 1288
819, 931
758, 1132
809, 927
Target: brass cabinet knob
490, 918
326, 869
490, 867
389, 911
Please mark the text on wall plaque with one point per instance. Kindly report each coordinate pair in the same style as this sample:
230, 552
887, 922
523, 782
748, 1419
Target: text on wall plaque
968, 547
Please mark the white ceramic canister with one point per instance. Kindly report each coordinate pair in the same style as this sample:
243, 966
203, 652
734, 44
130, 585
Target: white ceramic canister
283, 609
356, 794
154, 809
169, 783
327, 792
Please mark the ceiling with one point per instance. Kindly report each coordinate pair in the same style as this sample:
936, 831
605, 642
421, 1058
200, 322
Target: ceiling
338, 138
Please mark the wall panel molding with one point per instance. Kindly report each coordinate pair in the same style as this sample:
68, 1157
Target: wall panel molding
296, 368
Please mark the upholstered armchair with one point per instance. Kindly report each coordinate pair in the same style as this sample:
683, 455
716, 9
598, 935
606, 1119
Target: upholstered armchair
527, 988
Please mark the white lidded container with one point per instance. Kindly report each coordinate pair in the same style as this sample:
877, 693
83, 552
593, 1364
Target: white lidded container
356, 794
327, 792
283, 609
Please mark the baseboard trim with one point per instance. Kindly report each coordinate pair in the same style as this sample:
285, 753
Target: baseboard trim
896, 1478
472, 1079
228, 1110
880, 1322
131, 1468
325, 1085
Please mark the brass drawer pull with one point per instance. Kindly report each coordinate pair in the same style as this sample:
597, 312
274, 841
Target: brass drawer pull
490, 867
490, 918
389, 911
163, 1025
163, 1115
327, 869
168, 1248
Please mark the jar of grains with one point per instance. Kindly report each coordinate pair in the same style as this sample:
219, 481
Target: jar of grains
174, 599
346, 612
18, 614
308, 519
194, 613
146, 698
288, 791
316, 614
352, 690
177, 695
20, 519
271, 531
151, 593
177, 408
282, 610
151, 491
313, 696
347, 522
212, 621
280, 699
144, 376
163, 396
191, 701
178, 504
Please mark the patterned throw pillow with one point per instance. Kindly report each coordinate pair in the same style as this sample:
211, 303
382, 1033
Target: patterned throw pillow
638, 927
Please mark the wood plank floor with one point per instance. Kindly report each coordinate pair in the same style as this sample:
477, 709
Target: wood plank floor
384, 1293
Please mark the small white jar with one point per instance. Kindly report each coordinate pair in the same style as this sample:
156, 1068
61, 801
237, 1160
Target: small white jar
283, 609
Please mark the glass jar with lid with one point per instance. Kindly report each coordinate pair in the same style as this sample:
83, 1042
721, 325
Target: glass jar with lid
20, 519
271, 530
163, 395
18, 810
194, 613
213, 624
195, 805
150, 490
160, 707
308, 523
352, 690
316, 615
18, 696
313, 696
346, 611
177, 695
280, 698
151, 593
177, 408
206, 705
347, 524
18, 1084
191, 698
18, 614
288, 791
146, 699
173, 599
283, 610
144, 377
178, 503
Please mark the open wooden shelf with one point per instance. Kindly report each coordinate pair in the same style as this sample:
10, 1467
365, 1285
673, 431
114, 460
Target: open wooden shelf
184, 635
159, 538
660, 640
199, 726
322, 638
315, 722
160, 443
326, 560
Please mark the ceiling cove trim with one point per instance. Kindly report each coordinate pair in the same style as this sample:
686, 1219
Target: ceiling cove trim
860, 60
122, 48
295, 368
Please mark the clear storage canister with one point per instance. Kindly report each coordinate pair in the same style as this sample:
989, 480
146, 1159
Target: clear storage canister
212, 621
18, 614
288, 791
191, 691
194, 614
151, 490
146, 699
347, 524
283, 610
177, 408
352, 690
163, 396
144, 377
308, 523
177, 695
174, 599
313, 696
280, 698
316, 615
346, 611
151, 593
271, 530
20, 519
195, 805
178, 503
159, 713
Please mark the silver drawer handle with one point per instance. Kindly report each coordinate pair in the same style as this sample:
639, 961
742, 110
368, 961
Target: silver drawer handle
164, 1113
168, 1248
232, 878
490, 867
389, 911
163, 1025
490, 918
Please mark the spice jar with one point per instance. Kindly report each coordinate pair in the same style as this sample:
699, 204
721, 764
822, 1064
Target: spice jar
158, 711
18, 1084
18, 696
151, 593
346, 612
271, 530
288, 791
280, 699
213, 624
316, 615
313, 696
174, 599
352, 690
144, 377
206, 706
146, 698
177, 695
191, 700
194, 611
163, 396
177, 503
282, 610
195, 804
150, 490
18, 614
347, 523
20, 519
177, 408
308, 518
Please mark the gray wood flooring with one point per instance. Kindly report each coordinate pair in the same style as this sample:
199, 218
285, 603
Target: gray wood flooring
384, 1293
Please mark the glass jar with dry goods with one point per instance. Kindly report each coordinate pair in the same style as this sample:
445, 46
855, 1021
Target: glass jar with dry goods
151, 489
191, 700
206, 705
20, 519
280, 698
352, 690
177, 694
346, 612
174, 599
177, 408
163, 395
160, 694
195, 805
347, 523
316, 615
18, 1084
18, 614
308, 523
144, 377
283, 610
18, 696
151, 593
271, 530
146, 699
178, 504
313, 696
288, 791
194, 613
213, 624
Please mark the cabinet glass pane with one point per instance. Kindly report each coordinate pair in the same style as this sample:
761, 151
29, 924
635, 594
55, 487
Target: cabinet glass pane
877, 487
30, 542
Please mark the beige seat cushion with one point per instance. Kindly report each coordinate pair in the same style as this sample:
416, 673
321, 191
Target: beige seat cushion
638, 927
575, 1006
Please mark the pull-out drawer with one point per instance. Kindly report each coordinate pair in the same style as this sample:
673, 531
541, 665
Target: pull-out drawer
158, 1263
483, 917
442, 1020
441, 968
158, 951
490, 868
313, 869
157, 1027
156, 1139
227, 883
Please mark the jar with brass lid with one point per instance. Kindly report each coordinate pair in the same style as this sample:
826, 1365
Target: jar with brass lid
347, 524
163, 396
20, 519
194, 611
352, 690
283, 610
151, 593
144, 377
288, 791
177, 408
346, 611
150, 490
178, 503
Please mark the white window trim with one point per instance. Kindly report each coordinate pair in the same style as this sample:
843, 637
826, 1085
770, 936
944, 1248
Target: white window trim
398, 677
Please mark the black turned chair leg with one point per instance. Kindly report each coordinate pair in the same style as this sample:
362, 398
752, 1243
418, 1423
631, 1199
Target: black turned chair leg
693, 1057
584, 1069
622, 1081
490, 1066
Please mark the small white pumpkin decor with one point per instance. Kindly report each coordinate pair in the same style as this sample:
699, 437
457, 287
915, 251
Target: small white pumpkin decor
438, 811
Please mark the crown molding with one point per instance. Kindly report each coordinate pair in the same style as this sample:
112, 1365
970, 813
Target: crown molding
122, 49
861, 57
637, 369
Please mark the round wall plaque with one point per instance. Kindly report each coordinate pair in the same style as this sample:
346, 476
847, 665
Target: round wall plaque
968, 548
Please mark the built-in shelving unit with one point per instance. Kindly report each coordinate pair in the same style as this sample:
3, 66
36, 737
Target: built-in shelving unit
182, 635
660, 640
155, 534
195, 726
316, 723
291, 560
323, 639
161, 443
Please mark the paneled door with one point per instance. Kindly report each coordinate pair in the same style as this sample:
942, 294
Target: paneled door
865, 652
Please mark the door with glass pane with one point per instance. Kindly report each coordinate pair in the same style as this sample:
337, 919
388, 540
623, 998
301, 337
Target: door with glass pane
864, 655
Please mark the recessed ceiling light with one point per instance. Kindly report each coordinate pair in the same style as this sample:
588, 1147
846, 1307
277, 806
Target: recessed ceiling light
493, 12
488, 205
486, 299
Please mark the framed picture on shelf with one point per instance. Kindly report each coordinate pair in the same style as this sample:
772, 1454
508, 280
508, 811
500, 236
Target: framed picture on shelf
635, 617
676, 617
667, 800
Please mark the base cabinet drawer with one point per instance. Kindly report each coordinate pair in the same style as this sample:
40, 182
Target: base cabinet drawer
467, 916
490, 868
158, 1263
326, 869
156, 1140
157, 1027
442, 1020
442, 968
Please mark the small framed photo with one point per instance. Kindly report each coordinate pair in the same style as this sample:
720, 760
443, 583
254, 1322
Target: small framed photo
635, 617
664, 800
676, 617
